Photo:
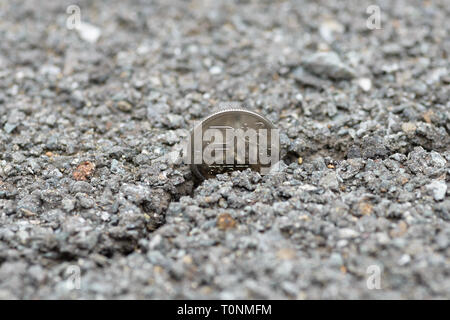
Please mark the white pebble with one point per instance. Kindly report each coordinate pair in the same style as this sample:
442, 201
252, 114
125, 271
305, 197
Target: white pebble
215, 70
438, 188
88, 32
365, 84
405, 259
347, 233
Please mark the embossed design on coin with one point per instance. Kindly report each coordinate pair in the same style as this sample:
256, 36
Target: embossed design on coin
233, 139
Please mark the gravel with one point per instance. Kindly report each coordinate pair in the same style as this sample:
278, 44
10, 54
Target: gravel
93, 121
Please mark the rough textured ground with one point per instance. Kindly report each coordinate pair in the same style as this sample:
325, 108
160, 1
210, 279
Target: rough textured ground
91, 133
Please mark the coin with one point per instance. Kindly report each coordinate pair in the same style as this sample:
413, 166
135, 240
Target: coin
233, 139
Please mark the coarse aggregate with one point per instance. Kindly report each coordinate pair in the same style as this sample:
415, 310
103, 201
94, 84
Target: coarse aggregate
93, 122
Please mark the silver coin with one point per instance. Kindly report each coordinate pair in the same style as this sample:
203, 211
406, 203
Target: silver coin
233, 139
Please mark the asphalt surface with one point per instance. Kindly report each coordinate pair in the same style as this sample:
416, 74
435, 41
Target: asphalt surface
95, 201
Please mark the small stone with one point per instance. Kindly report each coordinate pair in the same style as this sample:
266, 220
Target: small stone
409, 127
81, 186
342, 243
392, 49
365, 208
300, 160
299, 97
88, 32
438, 188
382, 238
373, 147
174, 120
55, 173
286, 254
68, 204
50, 70
437, 159
353, 152
404, 180
77, 99
225, 221
329, 28
187, 259
404, 260
419, 88
306, 78
400, 230
83, 171
365, 84
27, 213
85, 201
427, 116
155, 242
9, 127
328, 65
347, 233
124, 106
116, 167
215, 70
156, 111
336, 259
329, 181
390, 68
37, 273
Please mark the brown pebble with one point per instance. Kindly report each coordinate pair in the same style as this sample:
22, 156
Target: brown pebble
27, 212
427, 116
225, 221
365, 208
83, 171
400, 230
286, 254
158, 269
300, 160
124, 106
187, 259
